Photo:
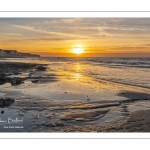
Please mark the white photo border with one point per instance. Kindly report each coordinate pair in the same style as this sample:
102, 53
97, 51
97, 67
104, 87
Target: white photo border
74, 14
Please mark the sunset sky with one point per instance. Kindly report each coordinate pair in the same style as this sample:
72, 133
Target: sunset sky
58, 37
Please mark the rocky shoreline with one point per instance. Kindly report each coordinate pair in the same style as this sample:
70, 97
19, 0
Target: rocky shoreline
9, 69
5, 102
67, 116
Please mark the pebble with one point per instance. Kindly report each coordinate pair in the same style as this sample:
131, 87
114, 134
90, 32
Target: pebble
80, 119
48, 116
20, 114
36, 116
2, 112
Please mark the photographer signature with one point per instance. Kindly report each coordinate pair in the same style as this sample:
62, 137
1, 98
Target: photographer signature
10, 120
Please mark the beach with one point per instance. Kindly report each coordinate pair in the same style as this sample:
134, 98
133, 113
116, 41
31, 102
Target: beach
74, 95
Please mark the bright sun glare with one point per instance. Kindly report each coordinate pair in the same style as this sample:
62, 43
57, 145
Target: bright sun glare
78, 50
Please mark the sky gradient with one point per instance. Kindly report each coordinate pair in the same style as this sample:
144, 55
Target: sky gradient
57, 37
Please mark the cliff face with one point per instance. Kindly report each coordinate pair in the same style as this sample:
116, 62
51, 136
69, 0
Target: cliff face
14, 53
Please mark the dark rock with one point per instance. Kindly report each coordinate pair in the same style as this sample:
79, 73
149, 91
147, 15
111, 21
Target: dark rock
16, 73
13, 81
3, 74
2, 112
41, 68
16, 81
59, 123
35, 81
20, 114
3, 80
5, 102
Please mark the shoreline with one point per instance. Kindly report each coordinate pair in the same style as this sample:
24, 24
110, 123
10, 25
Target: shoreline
34, 101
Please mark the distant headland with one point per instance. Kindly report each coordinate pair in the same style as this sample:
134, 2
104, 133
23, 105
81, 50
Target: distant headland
15, 53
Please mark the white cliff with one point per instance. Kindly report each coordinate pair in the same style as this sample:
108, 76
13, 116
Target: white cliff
14, 53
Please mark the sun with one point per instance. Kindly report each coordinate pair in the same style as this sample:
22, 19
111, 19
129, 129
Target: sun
78, 50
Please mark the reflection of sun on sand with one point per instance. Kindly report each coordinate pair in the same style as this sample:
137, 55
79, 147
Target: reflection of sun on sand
77, 76
73, 96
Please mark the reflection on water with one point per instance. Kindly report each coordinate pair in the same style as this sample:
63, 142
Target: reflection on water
77, 68
79, 83
77, 76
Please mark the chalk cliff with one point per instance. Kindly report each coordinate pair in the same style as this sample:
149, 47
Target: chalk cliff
14, 53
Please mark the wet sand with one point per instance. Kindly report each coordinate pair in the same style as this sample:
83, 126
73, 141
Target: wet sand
52, 99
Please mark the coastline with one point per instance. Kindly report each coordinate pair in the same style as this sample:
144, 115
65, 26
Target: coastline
52, 100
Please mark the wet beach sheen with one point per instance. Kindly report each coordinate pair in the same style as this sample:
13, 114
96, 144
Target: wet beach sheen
76, 94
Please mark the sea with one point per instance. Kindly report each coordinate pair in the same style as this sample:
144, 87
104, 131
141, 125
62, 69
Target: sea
130, 71
81, 81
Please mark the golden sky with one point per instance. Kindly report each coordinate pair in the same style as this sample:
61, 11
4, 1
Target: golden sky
57, 37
